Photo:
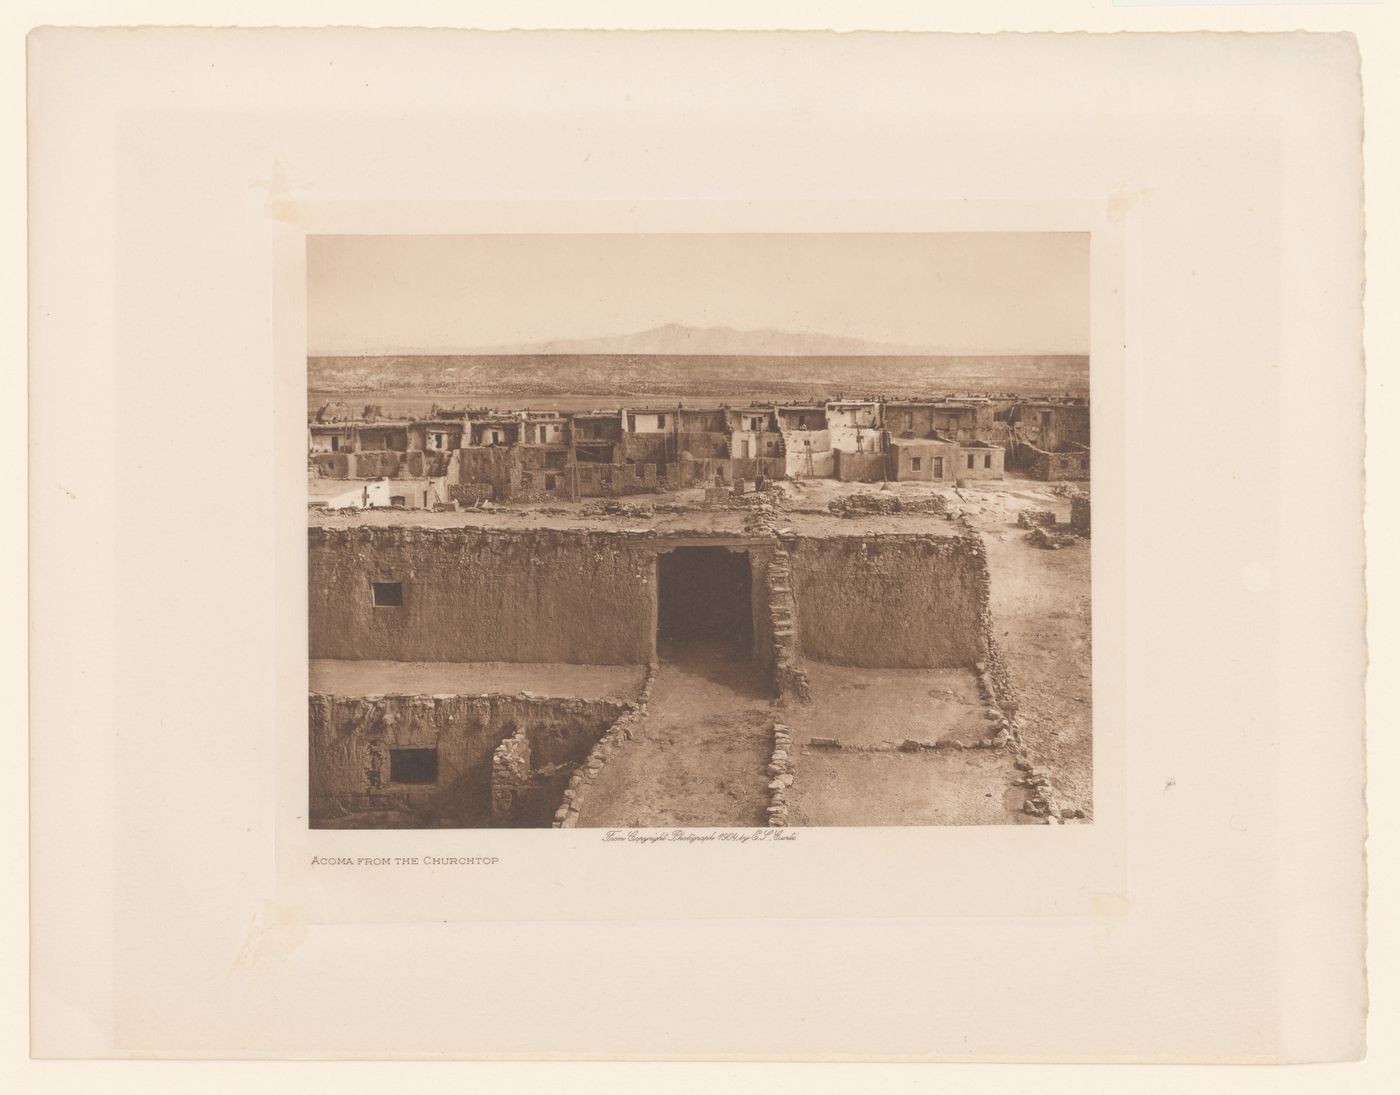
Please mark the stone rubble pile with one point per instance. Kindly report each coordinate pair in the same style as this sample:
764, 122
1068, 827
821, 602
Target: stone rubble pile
884, 501
612, 506
510, 773
1052, 539
1036, 518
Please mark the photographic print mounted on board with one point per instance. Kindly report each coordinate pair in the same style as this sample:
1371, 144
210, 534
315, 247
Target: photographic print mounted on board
707, 530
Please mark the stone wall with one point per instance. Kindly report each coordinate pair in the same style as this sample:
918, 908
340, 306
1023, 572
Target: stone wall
469, 594
352, 740
892, 600
1069, 464
492, 466
1079, 513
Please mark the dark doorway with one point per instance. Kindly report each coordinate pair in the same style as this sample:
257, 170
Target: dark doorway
704, 596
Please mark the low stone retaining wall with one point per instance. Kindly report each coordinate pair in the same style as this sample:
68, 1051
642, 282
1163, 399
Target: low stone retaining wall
789, 678
780, 776
617, 735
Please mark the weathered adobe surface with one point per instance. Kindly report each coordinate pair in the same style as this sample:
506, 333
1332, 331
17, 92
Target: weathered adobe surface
585, 597
351, 739
482, 595
895, 600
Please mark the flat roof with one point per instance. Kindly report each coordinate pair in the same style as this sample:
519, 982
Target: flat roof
329, 488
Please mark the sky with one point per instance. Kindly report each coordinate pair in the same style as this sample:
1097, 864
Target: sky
947, 293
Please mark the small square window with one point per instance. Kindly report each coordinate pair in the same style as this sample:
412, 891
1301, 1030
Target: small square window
917, 463
550, 482
388, 594
661, 421
413, 765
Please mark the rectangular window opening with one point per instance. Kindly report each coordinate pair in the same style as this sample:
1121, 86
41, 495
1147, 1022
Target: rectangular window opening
918, 463
987, 460
970, 461
388, 594
413, 765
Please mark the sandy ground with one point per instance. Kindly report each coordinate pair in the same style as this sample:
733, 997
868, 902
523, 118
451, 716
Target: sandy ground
378, 678
872, 706
943, 787
698, 758
1042, 610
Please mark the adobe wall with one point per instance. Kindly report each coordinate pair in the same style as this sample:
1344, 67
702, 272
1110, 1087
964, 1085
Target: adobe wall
351, 739
468, 594
823, 460
902, 601
926, 452
862, 467
981, 459
703, 444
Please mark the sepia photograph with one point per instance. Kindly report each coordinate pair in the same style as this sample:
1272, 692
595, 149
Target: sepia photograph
699, 530
738, 527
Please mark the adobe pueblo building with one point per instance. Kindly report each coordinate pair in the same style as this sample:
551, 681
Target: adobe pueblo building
466, 457
491, 648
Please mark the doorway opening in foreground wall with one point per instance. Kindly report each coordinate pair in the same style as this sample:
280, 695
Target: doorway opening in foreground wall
704, 596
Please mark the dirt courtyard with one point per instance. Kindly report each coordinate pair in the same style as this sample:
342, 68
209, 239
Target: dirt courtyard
698, 757
939, 787
859, 706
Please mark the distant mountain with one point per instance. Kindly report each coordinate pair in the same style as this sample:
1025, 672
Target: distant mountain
678, 339
500, 378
